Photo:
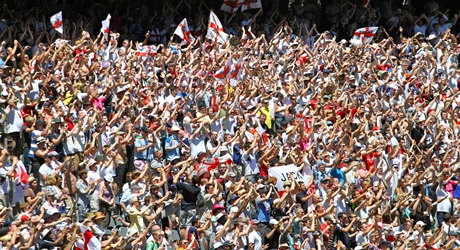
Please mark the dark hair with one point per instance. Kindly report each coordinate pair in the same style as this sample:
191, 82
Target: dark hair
208, 186
82, 172
195, 180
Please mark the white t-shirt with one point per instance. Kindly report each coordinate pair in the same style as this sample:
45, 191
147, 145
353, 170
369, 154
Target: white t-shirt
79, 142
197, 145
209, 146
445, 205
187, 125
249, 160
45, 169
14, 121
254, 237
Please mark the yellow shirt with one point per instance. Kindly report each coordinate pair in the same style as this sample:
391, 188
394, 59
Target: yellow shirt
137, 221
268, 118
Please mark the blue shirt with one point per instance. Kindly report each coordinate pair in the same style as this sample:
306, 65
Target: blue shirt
456, 189
263, 210
140, 143
172, 141
337, 173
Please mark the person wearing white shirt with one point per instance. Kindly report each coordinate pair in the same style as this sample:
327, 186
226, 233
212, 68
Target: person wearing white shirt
46, 169
251, 168
15, 124
445, 205
94, 176
254, 238
213, 145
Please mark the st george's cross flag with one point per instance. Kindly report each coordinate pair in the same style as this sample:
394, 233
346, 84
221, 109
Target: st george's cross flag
367, 32
90, 241
211, 163
223, 73
183, 32
235, 72
216, 29
56, 21
231, 5
251, 4
105, 27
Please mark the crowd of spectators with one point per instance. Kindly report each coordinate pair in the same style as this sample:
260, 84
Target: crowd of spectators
157, 151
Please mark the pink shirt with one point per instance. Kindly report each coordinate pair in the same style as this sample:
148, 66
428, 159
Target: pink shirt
99, 102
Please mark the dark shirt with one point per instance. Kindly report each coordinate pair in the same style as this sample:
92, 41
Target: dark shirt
190, 193
341, 235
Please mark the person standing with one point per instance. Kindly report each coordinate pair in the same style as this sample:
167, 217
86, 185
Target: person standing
142, 147
255, 238
15, 124
173, 144
190, 191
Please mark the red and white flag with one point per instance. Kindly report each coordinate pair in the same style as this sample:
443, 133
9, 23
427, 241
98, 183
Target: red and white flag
367, 33
146, 51
212, 163
79, 245
91, 242
183, 32
56, 21
231, 5
105, 27
216, 30
223, 73
251, 4
32, 66
235, 72
20, 175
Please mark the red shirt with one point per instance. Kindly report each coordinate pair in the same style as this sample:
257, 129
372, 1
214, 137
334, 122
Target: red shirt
26, 111
369, 159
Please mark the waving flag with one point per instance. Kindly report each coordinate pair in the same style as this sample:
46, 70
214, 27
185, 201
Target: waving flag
91, 242
216, 30
251, 4
235, 72
231, 5
367, 33
105, 27
79, 244
222, 73
20, 175
184, 32
211, 163
56, 21
145, 51
32, 66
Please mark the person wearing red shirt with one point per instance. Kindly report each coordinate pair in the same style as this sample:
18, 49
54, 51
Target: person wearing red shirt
328, 227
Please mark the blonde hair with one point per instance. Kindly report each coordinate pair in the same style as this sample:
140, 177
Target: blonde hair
50, 180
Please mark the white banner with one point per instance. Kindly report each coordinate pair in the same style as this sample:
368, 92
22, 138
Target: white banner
282, 174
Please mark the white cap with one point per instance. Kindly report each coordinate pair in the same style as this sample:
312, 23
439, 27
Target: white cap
421, 223
175, 128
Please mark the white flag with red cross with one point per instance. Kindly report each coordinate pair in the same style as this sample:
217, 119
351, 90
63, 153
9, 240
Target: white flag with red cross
90, 241
235, 72
146, 51
216, 29
367, 32
223, 73
56, 21
231, 5
183, 32
105, 27
210, 164
251, 4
